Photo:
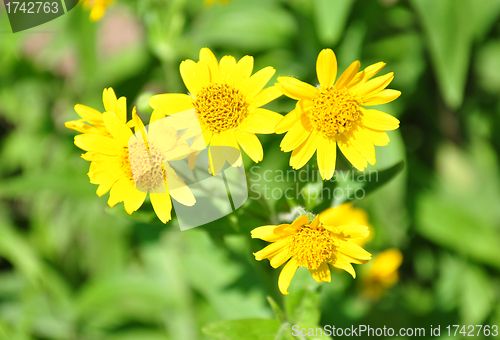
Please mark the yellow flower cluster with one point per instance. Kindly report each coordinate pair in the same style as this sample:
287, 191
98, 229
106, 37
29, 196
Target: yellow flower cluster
226, 101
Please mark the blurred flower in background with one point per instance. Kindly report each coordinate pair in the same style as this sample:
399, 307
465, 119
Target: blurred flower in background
97, 8
381, 273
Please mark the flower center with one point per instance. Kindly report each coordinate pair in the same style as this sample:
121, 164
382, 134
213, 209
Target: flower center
312, 246
333, 112
146, 167
221, 107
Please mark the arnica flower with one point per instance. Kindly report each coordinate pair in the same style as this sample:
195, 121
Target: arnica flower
313, 245
131, 165
334, 115
227, 99
98, 8
382, 273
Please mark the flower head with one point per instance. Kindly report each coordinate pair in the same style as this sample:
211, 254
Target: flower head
334, 115
98, 8
130, 165
227, 99
314, 245
382, 273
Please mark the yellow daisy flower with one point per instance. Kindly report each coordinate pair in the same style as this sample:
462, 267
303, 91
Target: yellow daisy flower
334, 115
98, 8
312, 245
131, 165
92, 120
227, 99
383, 272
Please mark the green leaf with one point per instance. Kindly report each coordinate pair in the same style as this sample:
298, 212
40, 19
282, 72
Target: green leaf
443, 223
278, 312
450, 33
330, 18
478, 297
255, 329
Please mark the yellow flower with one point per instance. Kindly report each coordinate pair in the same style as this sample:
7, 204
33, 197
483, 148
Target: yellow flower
98, 8
228, 101
333, 114
383, 272
131, 165
312, 245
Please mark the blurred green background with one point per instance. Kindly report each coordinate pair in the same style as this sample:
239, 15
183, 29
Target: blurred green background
72, 268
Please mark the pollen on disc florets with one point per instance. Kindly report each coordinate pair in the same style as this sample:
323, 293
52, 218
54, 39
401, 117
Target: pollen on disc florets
146, 167
312, 246
334, 111
221, 106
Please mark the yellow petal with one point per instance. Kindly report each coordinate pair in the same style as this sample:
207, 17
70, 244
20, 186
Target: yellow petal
379, 138
162, 205
351, 153
121, 109
257, 82
279, 258
379, 120
347, 76
302, 154
195, 75
286, 275
260, 121
373, 86
242, 71
119, 130
80, 126
297, 89
288, 121
250, 144
109, 100
265, 96
297, 135
134, 199
327, 154
171, 103
99, 143
271, 249
368, 72
353, 250
227, 66
88, 113
342, 263
382, 97
326, 68
322, 273
354, 231
207, 57
265, 233
363, 144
